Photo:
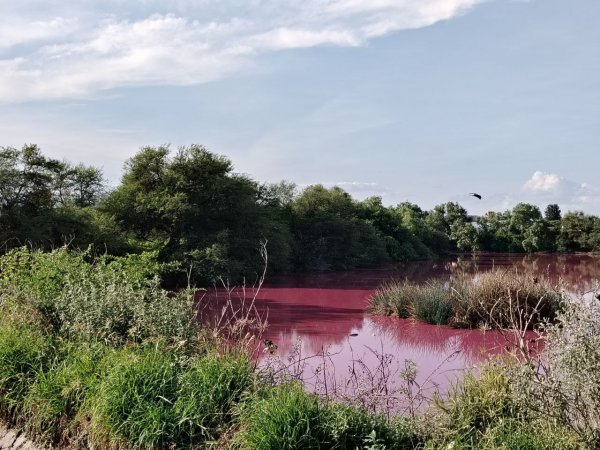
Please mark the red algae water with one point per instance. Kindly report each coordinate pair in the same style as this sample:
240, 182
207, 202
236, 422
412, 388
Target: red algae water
319, 323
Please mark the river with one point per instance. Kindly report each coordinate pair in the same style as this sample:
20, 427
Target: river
319, 323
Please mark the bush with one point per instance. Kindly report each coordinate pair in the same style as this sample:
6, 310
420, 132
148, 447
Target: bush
474, 405
115, 300
496, 299
563, 382
500, 298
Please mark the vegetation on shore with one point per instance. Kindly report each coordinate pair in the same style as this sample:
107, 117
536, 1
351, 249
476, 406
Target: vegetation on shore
204, 221
494, 299
78, 367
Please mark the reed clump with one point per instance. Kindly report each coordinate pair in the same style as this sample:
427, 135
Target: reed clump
492, 299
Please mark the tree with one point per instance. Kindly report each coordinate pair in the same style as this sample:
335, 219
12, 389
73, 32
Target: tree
331, 233
196, 211
552, 212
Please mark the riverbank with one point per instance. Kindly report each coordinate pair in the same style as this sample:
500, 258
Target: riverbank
95, 354
13, 440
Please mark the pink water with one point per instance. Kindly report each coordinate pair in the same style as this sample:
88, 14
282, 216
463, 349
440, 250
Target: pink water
321, 319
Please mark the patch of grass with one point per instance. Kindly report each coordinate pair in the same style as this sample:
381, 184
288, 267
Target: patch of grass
283, 418
23, 356
133, 405
434, 304
475, 405
395, 298
52, 403
208, 389
288, 418
514, 435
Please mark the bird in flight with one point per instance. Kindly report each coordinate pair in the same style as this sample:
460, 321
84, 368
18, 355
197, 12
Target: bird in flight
474, 194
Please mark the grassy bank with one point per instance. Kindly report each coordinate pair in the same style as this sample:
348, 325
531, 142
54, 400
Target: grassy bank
93, 353
496, 299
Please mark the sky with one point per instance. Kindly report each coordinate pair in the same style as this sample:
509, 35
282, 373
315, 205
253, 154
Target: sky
411, 100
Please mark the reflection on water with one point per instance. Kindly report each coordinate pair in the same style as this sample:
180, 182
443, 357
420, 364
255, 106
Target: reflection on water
316, 313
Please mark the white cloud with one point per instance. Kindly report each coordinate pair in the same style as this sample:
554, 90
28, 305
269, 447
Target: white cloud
543, 188
543, 182
49, 51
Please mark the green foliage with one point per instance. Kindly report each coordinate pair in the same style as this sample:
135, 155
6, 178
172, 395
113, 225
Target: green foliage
208, 390
133, 404
51, 405
111, 299
329, 234
552, 212
23, 355
566, 387
476, 404
287, 418
434, 304
32, 190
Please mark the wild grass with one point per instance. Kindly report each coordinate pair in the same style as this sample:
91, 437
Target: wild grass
208, 391
490, 299
484, 412
53, 401
133, 405
24, 354
288, 418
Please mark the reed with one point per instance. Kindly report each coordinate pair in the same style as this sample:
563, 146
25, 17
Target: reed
492, 299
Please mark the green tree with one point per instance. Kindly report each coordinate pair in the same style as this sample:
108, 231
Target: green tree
196, 211
330, 234
552, 212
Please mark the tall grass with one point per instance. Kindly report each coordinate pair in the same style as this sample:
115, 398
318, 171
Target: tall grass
24, 354
492, 299
133, 405
51, 405
288, 418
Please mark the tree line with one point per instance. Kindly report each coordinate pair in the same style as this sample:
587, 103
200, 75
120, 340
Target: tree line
198, 215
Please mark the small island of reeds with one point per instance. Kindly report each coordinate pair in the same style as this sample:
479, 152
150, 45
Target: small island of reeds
494, 299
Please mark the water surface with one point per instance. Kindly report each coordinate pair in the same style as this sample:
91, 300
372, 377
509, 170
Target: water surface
322, 320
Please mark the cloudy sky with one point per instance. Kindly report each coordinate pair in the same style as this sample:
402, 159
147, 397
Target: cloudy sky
419, 100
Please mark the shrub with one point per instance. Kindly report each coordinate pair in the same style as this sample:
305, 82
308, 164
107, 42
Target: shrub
474, 405
110, 299
563, 382
500, 298
496, 299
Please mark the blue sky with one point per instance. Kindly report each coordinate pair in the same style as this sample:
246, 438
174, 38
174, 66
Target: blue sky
419, 100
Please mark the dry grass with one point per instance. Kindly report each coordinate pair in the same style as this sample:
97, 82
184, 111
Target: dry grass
492, 299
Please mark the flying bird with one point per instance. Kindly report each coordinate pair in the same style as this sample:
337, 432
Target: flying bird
474, 194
